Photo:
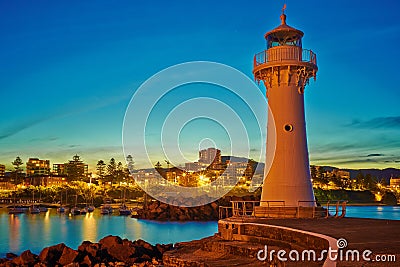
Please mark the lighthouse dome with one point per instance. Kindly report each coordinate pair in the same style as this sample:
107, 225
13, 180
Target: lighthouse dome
283, 35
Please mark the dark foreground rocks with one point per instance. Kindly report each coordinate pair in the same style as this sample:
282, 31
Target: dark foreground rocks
109, 251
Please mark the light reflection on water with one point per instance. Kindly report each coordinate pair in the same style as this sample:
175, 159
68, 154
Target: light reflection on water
36, 231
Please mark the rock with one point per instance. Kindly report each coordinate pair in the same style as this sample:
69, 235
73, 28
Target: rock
121, 252
26, 258
82, 247
144, 244
86, 261
162, 248
154, 261
110, 241
110, 251
51, 255
8, 264
11, 256
68, 256
145, 257
90, 248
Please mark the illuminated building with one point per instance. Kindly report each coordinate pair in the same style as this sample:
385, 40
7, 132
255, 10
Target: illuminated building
37, 167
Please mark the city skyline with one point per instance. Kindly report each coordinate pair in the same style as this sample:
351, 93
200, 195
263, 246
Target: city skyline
69, 71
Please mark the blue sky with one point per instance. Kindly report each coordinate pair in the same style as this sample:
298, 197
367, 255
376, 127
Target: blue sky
69, 68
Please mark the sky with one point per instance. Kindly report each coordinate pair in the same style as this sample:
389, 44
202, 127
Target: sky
68, 70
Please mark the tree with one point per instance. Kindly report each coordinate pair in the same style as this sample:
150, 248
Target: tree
17, 163
389, 199
369, 182
130, 163
313, 171
119, 172
360, 179
101, 168
111, 169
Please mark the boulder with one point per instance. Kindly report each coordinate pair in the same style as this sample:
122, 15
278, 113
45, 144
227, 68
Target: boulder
110, 241
163, 248
90, 248
86, 261
11, 256
144, 244
121, 252
26, 258
68, 256
82, 247
51, 255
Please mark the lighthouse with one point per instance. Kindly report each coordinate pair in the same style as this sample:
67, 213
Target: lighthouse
285, 69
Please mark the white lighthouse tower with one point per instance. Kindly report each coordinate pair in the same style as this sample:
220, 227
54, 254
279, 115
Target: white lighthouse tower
285, 68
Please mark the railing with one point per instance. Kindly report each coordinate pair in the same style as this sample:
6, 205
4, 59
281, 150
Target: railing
224, 212
340, 207
246, 208
314, 209
269, 209
282, 53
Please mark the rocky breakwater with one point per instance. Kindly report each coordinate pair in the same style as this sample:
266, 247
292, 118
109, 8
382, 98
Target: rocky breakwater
160, 211
109, 251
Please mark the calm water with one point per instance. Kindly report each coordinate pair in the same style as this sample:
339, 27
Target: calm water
34, 232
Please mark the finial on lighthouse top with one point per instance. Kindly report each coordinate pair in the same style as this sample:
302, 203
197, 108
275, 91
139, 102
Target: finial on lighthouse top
283, 16
283, 34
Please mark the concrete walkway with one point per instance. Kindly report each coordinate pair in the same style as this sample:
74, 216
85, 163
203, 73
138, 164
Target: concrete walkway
382, 237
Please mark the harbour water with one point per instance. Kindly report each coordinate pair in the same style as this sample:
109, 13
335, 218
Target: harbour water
36, 231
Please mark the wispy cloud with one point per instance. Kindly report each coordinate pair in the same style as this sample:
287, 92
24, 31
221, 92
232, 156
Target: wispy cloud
19, 126
374, 155
16, 127
377, 123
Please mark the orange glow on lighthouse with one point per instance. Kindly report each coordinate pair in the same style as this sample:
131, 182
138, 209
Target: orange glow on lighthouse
285, 69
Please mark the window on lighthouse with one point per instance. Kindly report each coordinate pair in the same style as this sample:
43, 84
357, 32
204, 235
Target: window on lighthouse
273, 41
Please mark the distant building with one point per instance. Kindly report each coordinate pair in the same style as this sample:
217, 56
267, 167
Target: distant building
339, 173
193, 166
74, 169
2, 170
47, 181
395, 182
5, 185
210, 155
196, 166
59, 169
37, 167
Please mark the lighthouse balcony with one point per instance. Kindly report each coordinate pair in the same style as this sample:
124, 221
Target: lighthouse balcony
285, 54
